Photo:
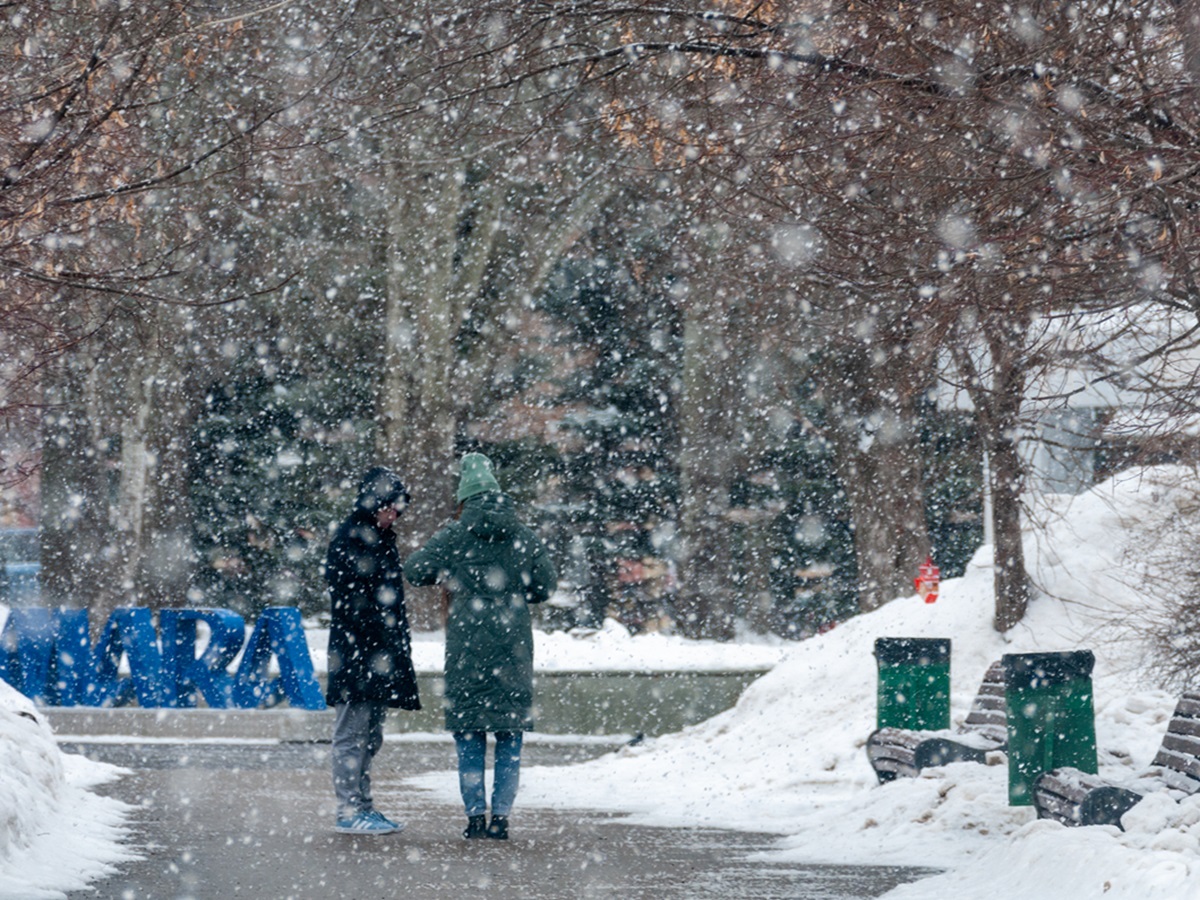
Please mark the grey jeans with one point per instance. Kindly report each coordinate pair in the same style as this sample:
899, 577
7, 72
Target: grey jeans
357, 737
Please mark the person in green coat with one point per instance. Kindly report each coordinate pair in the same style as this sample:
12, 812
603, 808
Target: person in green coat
492, 568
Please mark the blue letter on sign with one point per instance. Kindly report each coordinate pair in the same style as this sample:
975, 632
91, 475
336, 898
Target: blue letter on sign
278, 631
25, 648
46, 654
129, 629
72, 679
185, 673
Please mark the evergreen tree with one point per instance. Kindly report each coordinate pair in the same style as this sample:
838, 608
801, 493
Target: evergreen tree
273, 458
620, 477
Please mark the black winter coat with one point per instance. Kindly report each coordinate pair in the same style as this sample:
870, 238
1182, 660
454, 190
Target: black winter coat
370, 647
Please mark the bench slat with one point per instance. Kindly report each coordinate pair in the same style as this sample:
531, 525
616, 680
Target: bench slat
1072, 797
1188, 706
893, 759
1184, 727
1183, 744
896, 737
1173, 777
976, 721
996, 735
1069, 782
1183, 763
1059, 809
990, 707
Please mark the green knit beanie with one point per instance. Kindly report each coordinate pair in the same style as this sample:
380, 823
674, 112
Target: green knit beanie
477, 477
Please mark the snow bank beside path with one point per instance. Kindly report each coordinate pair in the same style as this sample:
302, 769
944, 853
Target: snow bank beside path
789, 757
55, 834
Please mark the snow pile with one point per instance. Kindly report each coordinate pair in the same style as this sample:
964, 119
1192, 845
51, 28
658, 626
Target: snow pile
55, 835
607, 649
789, 757
612, 649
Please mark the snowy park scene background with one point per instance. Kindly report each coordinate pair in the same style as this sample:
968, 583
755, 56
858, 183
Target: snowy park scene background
757, 308
789, 757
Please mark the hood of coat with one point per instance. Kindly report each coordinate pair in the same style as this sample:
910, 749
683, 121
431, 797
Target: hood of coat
490, 517
381, 487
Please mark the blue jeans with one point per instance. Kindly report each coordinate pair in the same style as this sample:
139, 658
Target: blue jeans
357, 737
472, 756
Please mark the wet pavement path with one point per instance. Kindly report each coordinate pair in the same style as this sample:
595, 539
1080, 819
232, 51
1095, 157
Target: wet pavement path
242, 820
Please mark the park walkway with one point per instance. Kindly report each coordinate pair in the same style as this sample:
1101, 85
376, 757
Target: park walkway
222, 820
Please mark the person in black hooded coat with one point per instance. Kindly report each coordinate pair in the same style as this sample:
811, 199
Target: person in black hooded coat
370, 646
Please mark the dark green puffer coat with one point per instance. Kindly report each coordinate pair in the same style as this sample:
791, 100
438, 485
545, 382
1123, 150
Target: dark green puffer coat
494, 567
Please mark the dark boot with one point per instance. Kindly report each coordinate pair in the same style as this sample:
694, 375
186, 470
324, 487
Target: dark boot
498, 829
476, 827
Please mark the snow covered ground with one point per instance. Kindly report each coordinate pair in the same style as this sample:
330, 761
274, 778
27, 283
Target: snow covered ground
789, 757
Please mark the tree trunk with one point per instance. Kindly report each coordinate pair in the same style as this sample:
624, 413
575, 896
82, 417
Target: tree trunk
1188, 12
870, 394
74, 515
754, 601
1002, 425
997, 396
446, 265
166, 561
115, 524
1011, 582
417, 384
708, 412
883, 483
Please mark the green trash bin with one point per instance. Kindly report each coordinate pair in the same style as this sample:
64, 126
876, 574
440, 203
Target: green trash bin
1051, 717
914, 683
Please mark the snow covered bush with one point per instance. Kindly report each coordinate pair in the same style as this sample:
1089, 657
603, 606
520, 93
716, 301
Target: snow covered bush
1164, 563
55, 835
32, 779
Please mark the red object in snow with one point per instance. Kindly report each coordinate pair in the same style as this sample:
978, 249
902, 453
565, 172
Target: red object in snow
928, 580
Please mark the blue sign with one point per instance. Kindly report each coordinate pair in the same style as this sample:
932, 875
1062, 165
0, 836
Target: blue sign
47, 655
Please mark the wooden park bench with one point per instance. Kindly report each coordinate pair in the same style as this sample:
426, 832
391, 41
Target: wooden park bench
903, 753
1072, 797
